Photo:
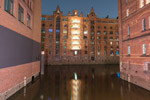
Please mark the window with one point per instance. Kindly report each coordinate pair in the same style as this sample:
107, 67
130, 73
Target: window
111, 32
141, 3
92, 22
85, 52
50, 25
50, 37
43, 30
98, 32
144, 49
65, 42
57, 31
111, 43
9, 5
129, 30
117, 52
129, 52
50, 30
111, 53
28, 20
127, 12
65, 47
104, 27
85, 32
65, 25
111, 38
149, 22
21, 14
147, 1
111, 28
144, 25
117, 33
50, 19
65, 31
85, 42
127, 1
105, 33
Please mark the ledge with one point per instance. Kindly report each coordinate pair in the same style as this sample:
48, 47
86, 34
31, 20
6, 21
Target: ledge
145, 56
147, 72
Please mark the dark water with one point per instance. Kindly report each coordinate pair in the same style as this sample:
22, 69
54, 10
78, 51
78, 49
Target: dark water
93, 82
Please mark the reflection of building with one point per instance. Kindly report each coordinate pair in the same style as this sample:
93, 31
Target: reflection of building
20, 36
134, 24
73, 37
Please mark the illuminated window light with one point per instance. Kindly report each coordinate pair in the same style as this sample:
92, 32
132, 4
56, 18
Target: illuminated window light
75, 26
75, 42
85, 32
75, 21
75, 32
75, 37
75, 48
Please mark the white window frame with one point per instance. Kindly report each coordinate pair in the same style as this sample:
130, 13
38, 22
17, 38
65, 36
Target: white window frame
129, 50
141, 3
144, 49
128, 12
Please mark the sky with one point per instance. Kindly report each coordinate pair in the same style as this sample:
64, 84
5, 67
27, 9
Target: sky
102, 8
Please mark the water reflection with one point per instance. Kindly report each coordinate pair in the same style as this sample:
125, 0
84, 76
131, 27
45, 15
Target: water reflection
98, 82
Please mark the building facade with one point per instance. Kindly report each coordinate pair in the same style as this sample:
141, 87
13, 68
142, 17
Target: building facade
79, 39
20, 36
134, 29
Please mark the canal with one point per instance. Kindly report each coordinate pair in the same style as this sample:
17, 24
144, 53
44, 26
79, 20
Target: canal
83, 82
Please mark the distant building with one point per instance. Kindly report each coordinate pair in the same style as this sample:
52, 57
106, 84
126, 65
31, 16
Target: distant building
20, 36
134, 29
77, 39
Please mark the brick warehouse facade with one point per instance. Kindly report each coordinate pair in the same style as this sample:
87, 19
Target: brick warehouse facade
20, 36
134, 29
75, 39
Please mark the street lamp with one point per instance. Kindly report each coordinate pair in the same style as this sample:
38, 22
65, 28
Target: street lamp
42, 62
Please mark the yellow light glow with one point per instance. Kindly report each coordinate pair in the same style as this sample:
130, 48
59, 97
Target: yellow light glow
76, 21
75, 42
75, 37
75, 48
75, 26
75, 32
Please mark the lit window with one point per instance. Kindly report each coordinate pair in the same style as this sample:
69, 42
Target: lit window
50, 30
9, 5
141, 3
105, 33
85, 32
65, 47
111, 43
129, 52
147, 1
127, 12
128, 29
65, 31
28, 20
43, 30
57, 31
144, 49
98, 32
21, 14
117, 52
143, 24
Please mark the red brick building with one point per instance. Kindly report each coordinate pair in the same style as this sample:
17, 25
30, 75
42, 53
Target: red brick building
75, 39
20, 36
134, 29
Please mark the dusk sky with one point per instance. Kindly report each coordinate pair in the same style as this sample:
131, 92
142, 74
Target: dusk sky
101, 7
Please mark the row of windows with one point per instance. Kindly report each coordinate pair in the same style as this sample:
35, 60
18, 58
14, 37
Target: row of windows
85, 20
142, 3
144, 49
9, 6
144, 27
98, 53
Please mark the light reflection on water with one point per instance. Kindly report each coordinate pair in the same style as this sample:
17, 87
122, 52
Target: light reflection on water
93, 82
